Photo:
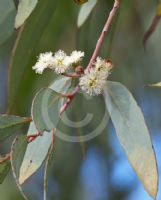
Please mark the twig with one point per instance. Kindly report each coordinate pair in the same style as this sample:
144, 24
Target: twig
5, 158
104, 33
96, 51
31, 138
71, 75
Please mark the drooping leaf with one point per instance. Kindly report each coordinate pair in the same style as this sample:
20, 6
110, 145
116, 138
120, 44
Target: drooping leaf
7, 16
35, 154
45, 109
133, 134
10, 125
25, 8
4, 169
85, 11
21, 75
18, 149
42, 32
153, 25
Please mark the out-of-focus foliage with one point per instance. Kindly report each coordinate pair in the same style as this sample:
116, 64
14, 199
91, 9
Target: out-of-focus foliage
7, 17
25, 8
10, 125
154, 24
56, 29
85, 11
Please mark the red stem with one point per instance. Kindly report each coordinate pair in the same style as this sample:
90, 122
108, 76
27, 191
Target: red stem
95, 53
104, 33
31, 138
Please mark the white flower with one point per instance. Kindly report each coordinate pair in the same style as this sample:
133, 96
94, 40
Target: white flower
103, 66
76, 57
45, 60
60, 63
93, 82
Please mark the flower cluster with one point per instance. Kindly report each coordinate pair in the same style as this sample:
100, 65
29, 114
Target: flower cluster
94, 80
59, 62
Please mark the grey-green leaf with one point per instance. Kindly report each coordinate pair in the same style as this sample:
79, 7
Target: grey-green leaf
45, 109
35, 154
18, 149
4, 169
85, 11
10, 125
133, 134
7, 16
61, 84
25, 8
47, 169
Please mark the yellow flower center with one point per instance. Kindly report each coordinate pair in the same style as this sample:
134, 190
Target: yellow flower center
92, 82
60, 62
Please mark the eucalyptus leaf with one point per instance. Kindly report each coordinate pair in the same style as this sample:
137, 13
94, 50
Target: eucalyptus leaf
133, 134
10, 125
47, 169
7, 16
85, 11
4, 169
18, 149
61, 84
24, 55
25, 8
45, 109
35, 154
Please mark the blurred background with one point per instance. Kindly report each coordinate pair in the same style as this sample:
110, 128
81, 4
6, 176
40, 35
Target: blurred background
97, 169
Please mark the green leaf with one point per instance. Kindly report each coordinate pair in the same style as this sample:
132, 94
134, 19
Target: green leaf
18, 149
47, 168
35, 154
133, 134
153, 26
45, 109
25, 52
25, 8
7, 16
85, 11
61, 85
4, 169
10, 125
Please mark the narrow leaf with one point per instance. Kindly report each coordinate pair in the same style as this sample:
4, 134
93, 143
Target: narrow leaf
25, 51
153, 25
10, 125
17, 153
7, 16
25, 8
35, 154
45, 109
4, 169
85, 11
133, 134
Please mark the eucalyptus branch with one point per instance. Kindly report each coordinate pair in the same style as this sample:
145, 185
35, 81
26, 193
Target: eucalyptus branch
104, 33
96, 51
